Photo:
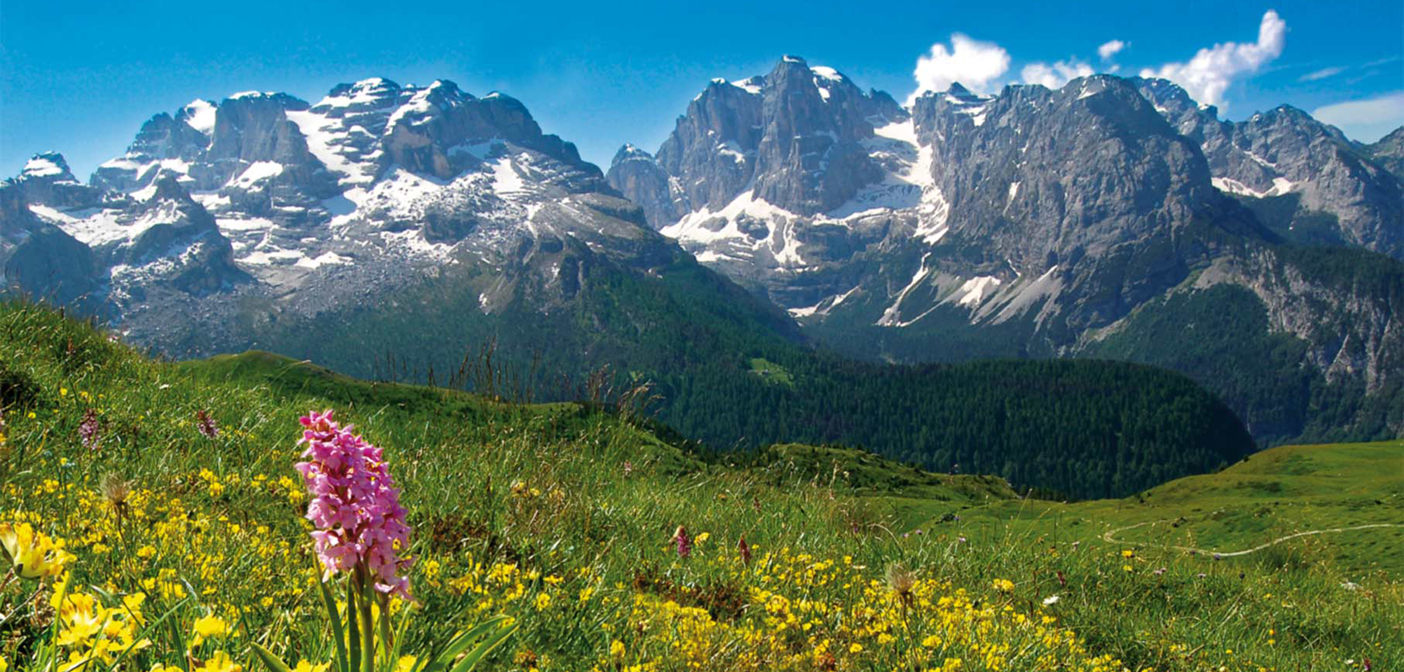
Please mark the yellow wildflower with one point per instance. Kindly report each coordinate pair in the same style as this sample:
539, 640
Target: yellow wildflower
219, 662
209, 626
34, 555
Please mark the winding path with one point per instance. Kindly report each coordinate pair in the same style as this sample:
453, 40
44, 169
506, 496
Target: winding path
1110, 537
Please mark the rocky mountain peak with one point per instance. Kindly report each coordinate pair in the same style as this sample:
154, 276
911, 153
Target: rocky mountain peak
629, 152
959, 92
361, 93
1389, 152
1306, 178
635, 172
792, 138
1023, 172
49, 166
47, 180
167, 188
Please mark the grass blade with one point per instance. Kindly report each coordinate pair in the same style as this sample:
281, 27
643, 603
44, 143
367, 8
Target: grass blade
338, 632
271, 661
461, 643
484, 648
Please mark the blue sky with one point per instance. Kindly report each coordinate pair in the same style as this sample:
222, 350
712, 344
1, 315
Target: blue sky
81, 77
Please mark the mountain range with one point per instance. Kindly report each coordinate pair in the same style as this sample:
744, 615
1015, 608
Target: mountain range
1112, 218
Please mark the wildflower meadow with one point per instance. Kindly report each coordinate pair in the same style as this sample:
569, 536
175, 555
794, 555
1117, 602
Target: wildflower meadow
268, 515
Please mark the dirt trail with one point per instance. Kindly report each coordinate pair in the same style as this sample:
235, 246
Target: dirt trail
1110, 537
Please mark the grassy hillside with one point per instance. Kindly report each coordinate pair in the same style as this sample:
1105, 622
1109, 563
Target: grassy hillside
564, 518
1336, 505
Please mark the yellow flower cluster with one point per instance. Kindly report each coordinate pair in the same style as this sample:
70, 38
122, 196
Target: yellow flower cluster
90, 631
797, 612
32, 555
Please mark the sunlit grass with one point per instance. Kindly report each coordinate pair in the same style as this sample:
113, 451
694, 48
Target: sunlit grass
562, 518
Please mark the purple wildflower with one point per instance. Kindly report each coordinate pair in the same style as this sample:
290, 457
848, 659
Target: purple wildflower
89, 429
745, 550
355, 505
206, 425
684, 542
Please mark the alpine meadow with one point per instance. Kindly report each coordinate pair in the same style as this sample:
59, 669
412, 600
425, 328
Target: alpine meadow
1078, 351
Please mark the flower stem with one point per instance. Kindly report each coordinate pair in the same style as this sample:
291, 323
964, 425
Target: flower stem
353, 630
367, 623
387, 637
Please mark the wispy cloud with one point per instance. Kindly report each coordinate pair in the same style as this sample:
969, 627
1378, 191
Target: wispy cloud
973, 63
1109, 49
1321, 74
1365, 120
1208, 75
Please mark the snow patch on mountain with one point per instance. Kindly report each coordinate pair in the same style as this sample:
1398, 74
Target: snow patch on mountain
891, 317
1022, 298
41, 166
257, 172
974, 290
1280, 186
824, 305
200, 115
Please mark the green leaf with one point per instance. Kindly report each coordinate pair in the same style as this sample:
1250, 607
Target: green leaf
269, 659
461, 643
338, 632
484, 647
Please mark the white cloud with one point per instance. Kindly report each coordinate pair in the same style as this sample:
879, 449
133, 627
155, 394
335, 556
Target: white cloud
1365, 120
1054, 76
1209, 73
1106, 51
1321, 74
975, 64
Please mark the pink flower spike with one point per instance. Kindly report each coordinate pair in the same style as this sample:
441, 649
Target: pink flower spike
354, 504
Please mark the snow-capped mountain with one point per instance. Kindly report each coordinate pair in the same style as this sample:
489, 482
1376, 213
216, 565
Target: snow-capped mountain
1032, 222
225, 222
